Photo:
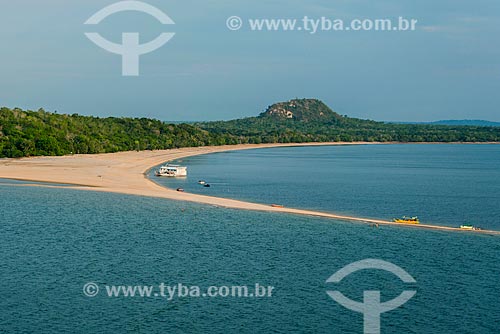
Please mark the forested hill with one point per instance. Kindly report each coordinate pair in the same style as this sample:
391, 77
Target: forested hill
307, 120
31, 133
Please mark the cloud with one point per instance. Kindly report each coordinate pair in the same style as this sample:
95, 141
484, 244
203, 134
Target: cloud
474, 19
433, 28
460, 25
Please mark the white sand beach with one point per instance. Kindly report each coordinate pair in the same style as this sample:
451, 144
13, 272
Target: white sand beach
124, 173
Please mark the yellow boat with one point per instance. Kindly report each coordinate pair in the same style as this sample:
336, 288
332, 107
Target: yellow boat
470, 228
406, 220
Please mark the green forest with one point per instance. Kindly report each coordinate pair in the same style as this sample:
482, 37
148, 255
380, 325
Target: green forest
36, 133
33, 133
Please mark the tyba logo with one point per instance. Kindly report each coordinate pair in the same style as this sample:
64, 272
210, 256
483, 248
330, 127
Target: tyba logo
371, 307
130, 49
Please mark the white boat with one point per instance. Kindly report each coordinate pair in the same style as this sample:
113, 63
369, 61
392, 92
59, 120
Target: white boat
171, 171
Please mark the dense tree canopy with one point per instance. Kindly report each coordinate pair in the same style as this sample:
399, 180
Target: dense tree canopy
32, 133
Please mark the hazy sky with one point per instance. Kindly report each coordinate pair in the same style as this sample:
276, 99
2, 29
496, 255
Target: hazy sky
448, 69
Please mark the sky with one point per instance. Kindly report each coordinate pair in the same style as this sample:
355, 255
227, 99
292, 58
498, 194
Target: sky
449, 68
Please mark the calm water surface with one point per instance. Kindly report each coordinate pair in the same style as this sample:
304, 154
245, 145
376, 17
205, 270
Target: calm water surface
53, 241
442, 184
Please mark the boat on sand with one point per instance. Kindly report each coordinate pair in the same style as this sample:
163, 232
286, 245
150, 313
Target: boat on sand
407, 220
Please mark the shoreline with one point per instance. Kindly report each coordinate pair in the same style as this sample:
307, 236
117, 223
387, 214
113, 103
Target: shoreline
126, 173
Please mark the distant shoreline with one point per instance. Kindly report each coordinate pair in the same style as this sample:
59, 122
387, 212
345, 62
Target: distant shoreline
126, 173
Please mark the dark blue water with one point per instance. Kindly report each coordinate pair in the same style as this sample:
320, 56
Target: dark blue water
53, 241
442, 184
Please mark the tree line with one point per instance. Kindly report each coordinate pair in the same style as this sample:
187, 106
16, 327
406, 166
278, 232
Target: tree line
36, 133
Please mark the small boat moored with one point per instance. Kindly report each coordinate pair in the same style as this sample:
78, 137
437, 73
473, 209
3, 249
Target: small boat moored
180, 190
171, 171
202, 182
470, 228
406, 220
277, 206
